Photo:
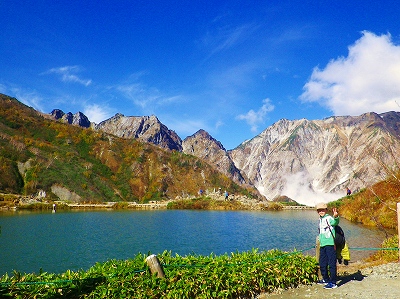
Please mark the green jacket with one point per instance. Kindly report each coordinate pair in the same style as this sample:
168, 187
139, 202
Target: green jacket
325, 236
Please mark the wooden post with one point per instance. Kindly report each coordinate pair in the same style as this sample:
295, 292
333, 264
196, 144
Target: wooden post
155, 266
398, 225
317, 249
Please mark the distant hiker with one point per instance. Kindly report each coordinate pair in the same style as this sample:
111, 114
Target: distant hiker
327, 253
226, 195
348, 191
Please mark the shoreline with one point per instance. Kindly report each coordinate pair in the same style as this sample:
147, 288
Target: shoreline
240, 203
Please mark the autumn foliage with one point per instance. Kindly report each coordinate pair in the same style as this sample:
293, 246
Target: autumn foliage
374, 205
37, 152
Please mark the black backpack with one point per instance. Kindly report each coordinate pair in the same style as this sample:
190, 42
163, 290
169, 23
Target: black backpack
340, 240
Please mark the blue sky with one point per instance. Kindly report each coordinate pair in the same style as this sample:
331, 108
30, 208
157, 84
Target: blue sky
232, 68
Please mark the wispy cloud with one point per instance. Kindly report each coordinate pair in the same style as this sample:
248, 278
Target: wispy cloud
144, 96
97, 113
229, 85
218, 124
69, 74
255, 118
186, 127
137, 93
28, 97
293, 34
224, 38
368, 79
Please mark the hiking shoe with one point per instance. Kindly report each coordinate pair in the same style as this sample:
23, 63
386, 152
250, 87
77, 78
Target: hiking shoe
322, 281
330, 286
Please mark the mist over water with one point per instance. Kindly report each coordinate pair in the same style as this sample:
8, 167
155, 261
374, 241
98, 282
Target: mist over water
31, 241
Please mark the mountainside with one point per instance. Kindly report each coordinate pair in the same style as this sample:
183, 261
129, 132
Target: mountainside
144, 128
311, 161
149, 129
203, 146
303, 160
61, 161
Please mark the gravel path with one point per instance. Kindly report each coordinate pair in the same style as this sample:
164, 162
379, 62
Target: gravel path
355, 281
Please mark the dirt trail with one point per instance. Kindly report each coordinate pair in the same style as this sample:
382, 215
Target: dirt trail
355, 281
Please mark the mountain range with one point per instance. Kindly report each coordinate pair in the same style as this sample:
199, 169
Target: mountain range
61, 156
305, 160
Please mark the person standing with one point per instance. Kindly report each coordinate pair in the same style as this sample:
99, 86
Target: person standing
327, 255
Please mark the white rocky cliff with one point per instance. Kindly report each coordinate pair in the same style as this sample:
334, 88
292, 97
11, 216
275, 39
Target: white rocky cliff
311, 161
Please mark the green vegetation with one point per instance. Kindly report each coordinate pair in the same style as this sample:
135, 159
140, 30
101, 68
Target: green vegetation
375, 206
37, 153
205, 203
276, 206
237, 275
389, 255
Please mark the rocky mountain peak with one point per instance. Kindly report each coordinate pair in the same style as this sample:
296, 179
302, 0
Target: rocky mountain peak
144, 128
204, 137
78, 119
311, 161
202, 145
305, 160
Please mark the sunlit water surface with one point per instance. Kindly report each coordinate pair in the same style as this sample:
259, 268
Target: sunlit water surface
56, 242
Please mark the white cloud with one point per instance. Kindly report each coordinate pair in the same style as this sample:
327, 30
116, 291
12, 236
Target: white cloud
367, 80
185, 127
68, 74
254, 118
97, 113
298, 187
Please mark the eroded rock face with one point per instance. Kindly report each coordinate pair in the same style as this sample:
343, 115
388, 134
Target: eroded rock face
205, 147
65, 194
78, 119
144, 128
302, 158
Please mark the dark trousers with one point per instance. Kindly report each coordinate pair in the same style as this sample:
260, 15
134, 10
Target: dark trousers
327, 257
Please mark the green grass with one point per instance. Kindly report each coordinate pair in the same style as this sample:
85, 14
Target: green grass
235, 275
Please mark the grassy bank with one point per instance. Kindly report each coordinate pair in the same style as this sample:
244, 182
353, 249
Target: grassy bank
235, 275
